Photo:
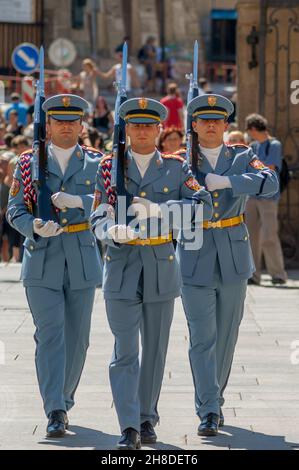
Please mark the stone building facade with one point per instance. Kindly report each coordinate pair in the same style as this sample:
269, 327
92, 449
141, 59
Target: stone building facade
267, 88
184, 20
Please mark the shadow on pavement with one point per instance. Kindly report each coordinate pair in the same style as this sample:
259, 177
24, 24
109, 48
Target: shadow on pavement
234, 437
85, 438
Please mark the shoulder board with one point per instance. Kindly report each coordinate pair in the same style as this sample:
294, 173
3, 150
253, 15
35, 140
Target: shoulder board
180, 152
91, 149
27, 152
238, 145
106, 158
173, 156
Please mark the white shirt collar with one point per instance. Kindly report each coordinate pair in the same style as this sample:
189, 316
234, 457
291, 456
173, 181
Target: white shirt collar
142, 161
211, 155
62, 155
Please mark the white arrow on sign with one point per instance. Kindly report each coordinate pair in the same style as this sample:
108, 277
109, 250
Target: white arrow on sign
29, 62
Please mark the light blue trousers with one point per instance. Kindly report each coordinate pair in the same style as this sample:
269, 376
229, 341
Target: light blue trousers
213, 315
62, 320
136, 387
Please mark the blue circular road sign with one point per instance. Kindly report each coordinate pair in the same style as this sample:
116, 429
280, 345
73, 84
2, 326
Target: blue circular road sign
25, 58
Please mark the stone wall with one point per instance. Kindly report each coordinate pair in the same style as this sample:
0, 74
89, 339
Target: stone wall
58, 24
186, 20
267, 89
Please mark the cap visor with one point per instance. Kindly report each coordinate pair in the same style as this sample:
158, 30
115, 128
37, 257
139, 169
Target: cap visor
210, 116
142, 121
65, 117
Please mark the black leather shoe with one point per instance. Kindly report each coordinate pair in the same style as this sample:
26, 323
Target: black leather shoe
278, 281
130, 440
57, 424
221, 419
253, 282
209, 425
147, 433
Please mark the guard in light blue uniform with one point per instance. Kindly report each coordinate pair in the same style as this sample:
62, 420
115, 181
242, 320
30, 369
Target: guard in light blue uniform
141, 276
61, 265
215, 278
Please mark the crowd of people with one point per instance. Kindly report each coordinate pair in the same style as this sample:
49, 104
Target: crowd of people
142, 78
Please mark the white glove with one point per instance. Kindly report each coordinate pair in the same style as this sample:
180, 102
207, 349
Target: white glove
63, 200
144, 208
48, 229
122, 233
213, 182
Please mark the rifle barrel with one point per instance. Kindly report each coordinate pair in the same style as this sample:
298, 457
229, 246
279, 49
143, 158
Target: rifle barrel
195, 62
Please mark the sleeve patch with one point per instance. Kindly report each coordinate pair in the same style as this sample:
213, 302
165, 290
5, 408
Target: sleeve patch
15, 187
257, 164
192, 184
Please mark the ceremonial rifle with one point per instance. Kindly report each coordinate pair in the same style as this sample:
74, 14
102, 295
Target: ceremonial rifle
192, 93
44, 206
119, 146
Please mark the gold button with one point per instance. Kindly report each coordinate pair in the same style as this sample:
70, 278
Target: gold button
108, 258
63, 210
31, 247
215, 194
143, 228
165, 190
171, 257
64, 221
143, 194
78, 154
62, 188
216, 215
87, 182
245, 238
216, 204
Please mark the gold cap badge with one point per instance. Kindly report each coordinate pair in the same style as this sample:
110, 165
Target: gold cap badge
212, 100
143, 103
66, 101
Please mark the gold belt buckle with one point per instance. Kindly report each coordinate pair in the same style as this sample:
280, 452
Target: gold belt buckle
216, 224
144, 242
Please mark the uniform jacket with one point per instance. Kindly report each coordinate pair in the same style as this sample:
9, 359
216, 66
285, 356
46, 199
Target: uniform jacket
167, 179
230, 246
45, 259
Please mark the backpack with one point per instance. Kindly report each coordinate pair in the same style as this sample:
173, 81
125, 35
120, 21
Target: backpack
284, 174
